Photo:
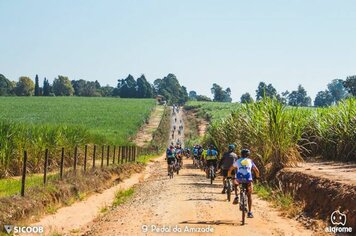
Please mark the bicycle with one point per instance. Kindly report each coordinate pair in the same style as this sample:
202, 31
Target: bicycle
243, 201
177, 167
171, 170
228, 187
211, 173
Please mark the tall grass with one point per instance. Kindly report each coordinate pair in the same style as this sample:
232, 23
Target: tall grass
279, 135
37, 123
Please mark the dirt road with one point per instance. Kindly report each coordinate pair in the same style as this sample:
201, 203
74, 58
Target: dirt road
188, 202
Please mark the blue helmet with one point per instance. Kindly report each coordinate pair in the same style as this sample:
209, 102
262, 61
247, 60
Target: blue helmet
232, 147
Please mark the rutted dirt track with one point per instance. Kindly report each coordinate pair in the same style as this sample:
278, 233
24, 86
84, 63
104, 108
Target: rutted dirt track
189, 200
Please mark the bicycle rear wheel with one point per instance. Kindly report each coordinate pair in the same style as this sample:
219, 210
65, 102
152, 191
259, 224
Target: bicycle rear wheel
228, 190
243, 203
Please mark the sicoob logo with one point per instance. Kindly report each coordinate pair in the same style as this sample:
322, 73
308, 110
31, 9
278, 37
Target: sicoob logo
337, 218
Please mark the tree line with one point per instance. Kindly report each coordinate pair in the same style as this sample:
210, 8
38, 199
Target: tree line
129, 87
337, 90
170, 88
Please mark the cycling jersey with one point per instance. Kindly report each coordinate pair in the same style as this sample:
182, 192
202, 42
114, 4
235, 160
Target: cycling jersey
195, 151
244, 170
211, 154
170, 153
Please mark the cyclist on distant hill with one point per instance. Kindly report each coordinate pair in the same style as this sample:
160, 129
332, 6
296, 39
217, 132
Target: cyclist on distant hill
226, 163
244, 167
170, 156
211, 158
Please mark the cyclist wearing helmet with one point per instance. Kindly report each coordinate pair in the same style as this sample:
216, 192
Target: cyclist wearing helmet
170, 156
211, 157
226, 163
244, 167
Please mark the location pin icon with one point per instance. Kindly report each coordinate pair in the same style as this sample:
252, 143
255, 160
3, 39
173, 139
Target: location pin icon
8, 228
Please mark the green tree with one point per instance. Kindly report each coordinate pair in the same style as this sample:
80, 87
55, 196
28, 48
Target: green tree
144, 89
192, 95
246, 98
221, 95
170, 88
37, 86
24, 87
350, 85
107, 91
126, 88
203, 98
46, 87
62, 86
323, 99
264, 90
337, 90
299, 97
6, 87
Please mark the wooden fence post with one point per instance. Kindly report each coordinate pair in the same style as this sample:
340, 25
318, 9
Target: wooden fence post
62, 164
75, 159
102, 156
85, 157
122, 154
94, 153
108, 156
113, 156
23, 173
45, 167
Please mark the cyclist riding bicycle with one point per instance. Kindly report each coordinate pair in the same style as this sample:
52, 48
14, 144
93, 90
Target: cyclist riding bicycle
211, 159
170, 156
244, 167
226, 163
179, 155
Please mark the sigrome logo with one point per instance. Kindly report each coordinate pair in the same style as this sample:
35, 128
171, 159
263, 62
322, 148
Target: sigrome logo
338, 219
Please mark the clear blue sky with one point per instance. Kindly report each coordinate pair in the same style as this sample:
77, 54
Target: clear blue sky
234, 43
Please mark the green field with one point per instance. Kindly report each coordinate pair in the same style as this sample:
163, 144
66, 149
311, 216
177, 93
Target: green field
114, 119
36, 123
213, 110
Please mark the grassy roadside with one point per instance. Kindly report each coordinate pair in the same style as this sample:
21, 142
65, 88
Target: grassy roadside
279, 199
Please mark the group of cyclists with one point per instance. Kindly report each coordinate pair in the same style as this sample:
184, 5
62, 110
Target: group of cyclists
237, 167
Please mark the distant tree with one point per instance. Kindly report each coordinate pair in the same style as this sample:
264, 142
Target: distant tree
78, 86
192, 95
299, 97
107, 91
24, 87
221, 95
337, 90
283, 97
62, 86
37, 86
6, 86
350, 85
46, 88
126, 88
246, 98
264, 90
144, 89
170, 88
203, 98
323, 99
97, 85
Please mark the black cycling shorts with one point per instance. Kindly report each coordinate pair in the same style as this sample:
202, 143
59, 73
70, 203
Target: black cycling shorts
225, 172
171, 160
212, 162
